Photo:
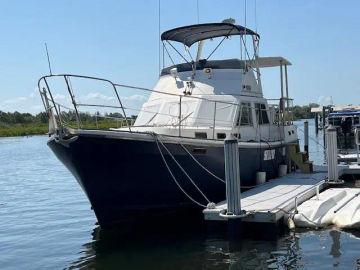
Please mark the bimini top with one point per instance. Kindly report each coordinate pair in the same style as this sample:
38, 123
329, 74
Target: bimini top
188, 35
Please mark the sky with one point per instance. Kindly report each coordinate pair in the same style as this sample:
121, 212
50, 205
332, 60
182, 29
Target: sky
118, 40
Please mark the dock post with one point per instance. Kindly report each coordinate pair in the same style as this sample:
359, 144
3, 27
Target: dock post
232, 175
306, 138
332, 152
357, 143
316, 123
233, 187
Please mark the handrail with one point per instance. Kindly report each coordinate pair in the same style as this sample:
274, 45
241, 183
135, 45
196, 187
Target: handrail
316, 187
123, 108
83, 77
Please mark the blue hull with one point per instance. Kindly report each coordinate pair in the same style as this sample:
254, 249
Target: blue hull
127, 179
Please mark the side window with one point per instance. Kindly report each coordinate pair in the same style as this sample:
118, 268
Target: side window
261, 114
244, 114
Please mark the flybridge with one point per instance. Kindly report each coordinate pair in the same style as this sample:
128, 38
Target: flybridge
249, 62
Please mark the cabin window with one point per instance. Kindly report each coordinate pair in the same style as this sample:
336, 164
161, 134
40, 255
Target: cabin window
244, 114
261, 114
221, 136
201, 135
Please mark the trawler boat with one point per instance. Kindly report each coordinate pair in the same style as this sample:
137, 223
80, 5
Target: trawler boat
171, 159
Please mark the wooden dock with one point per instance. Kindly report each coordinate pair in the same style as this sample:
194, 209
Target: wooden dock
270, 201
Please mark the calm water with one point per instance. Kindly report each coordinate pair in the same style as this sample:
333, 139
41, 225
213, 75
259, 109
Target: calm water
46, 223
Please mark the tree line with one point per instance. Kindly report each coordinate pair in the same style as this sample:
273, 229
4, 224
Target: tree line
12, 118
24, 124
303, 112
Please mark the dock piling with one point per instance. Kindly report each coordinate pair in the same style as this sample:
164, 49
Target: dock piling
232, 175
357, 143
332, 152
306, 138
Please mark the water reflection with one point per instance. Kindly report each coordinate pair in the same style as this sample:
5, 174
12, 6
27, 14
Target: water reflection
335, 247
110, 249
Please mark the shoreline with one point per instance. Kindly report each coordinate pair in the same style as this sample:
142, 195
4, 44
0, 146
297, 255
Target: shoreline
20, 130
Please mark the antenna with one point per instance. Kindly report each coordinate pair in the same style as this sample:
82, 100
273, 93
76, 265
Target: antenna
255, 9
197, 10
159, 41
48, 58
245, 24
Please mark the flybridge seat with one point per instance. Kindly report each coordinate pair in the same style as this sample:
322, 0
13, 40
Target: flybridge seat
261, 62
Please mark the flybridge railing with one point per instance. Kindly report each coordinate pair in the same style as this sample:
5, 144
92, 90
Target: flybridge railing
177, 114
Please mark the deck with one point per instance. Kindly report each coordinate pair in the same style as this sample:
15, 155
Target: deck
270, 201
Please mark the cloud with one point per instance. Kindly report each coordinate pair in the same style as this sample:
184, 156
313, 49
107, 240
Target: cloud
325, 100
30, 103
135, 97
96, 95
15, 100
59, 97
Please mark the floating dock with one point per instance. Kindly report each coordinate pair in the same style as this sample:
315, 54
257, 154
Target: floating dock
270, 201
280, 199
274, 200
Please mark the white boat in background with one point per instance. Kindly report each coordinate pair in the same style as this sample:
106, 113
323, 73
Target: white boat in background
171, 158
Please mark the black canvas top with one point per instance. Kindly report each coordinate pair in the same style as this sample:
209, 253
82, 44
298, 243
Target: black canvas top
188, 35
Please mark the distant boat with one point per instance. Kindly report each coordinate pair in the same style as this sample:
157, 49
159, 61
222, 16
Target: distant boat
346, 121
172, 159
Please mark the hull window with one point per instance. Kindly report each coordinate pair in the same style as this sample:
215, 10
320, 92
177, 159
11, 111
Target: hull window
201, 135
221, 136
199, 151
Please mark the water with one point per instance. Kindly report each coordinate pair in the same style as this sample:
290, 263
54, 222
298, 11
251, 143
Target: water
46, 223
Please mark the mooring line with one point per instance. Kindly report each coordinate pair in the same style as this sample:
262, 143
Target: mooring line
173, 176
202, 166
183, 170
